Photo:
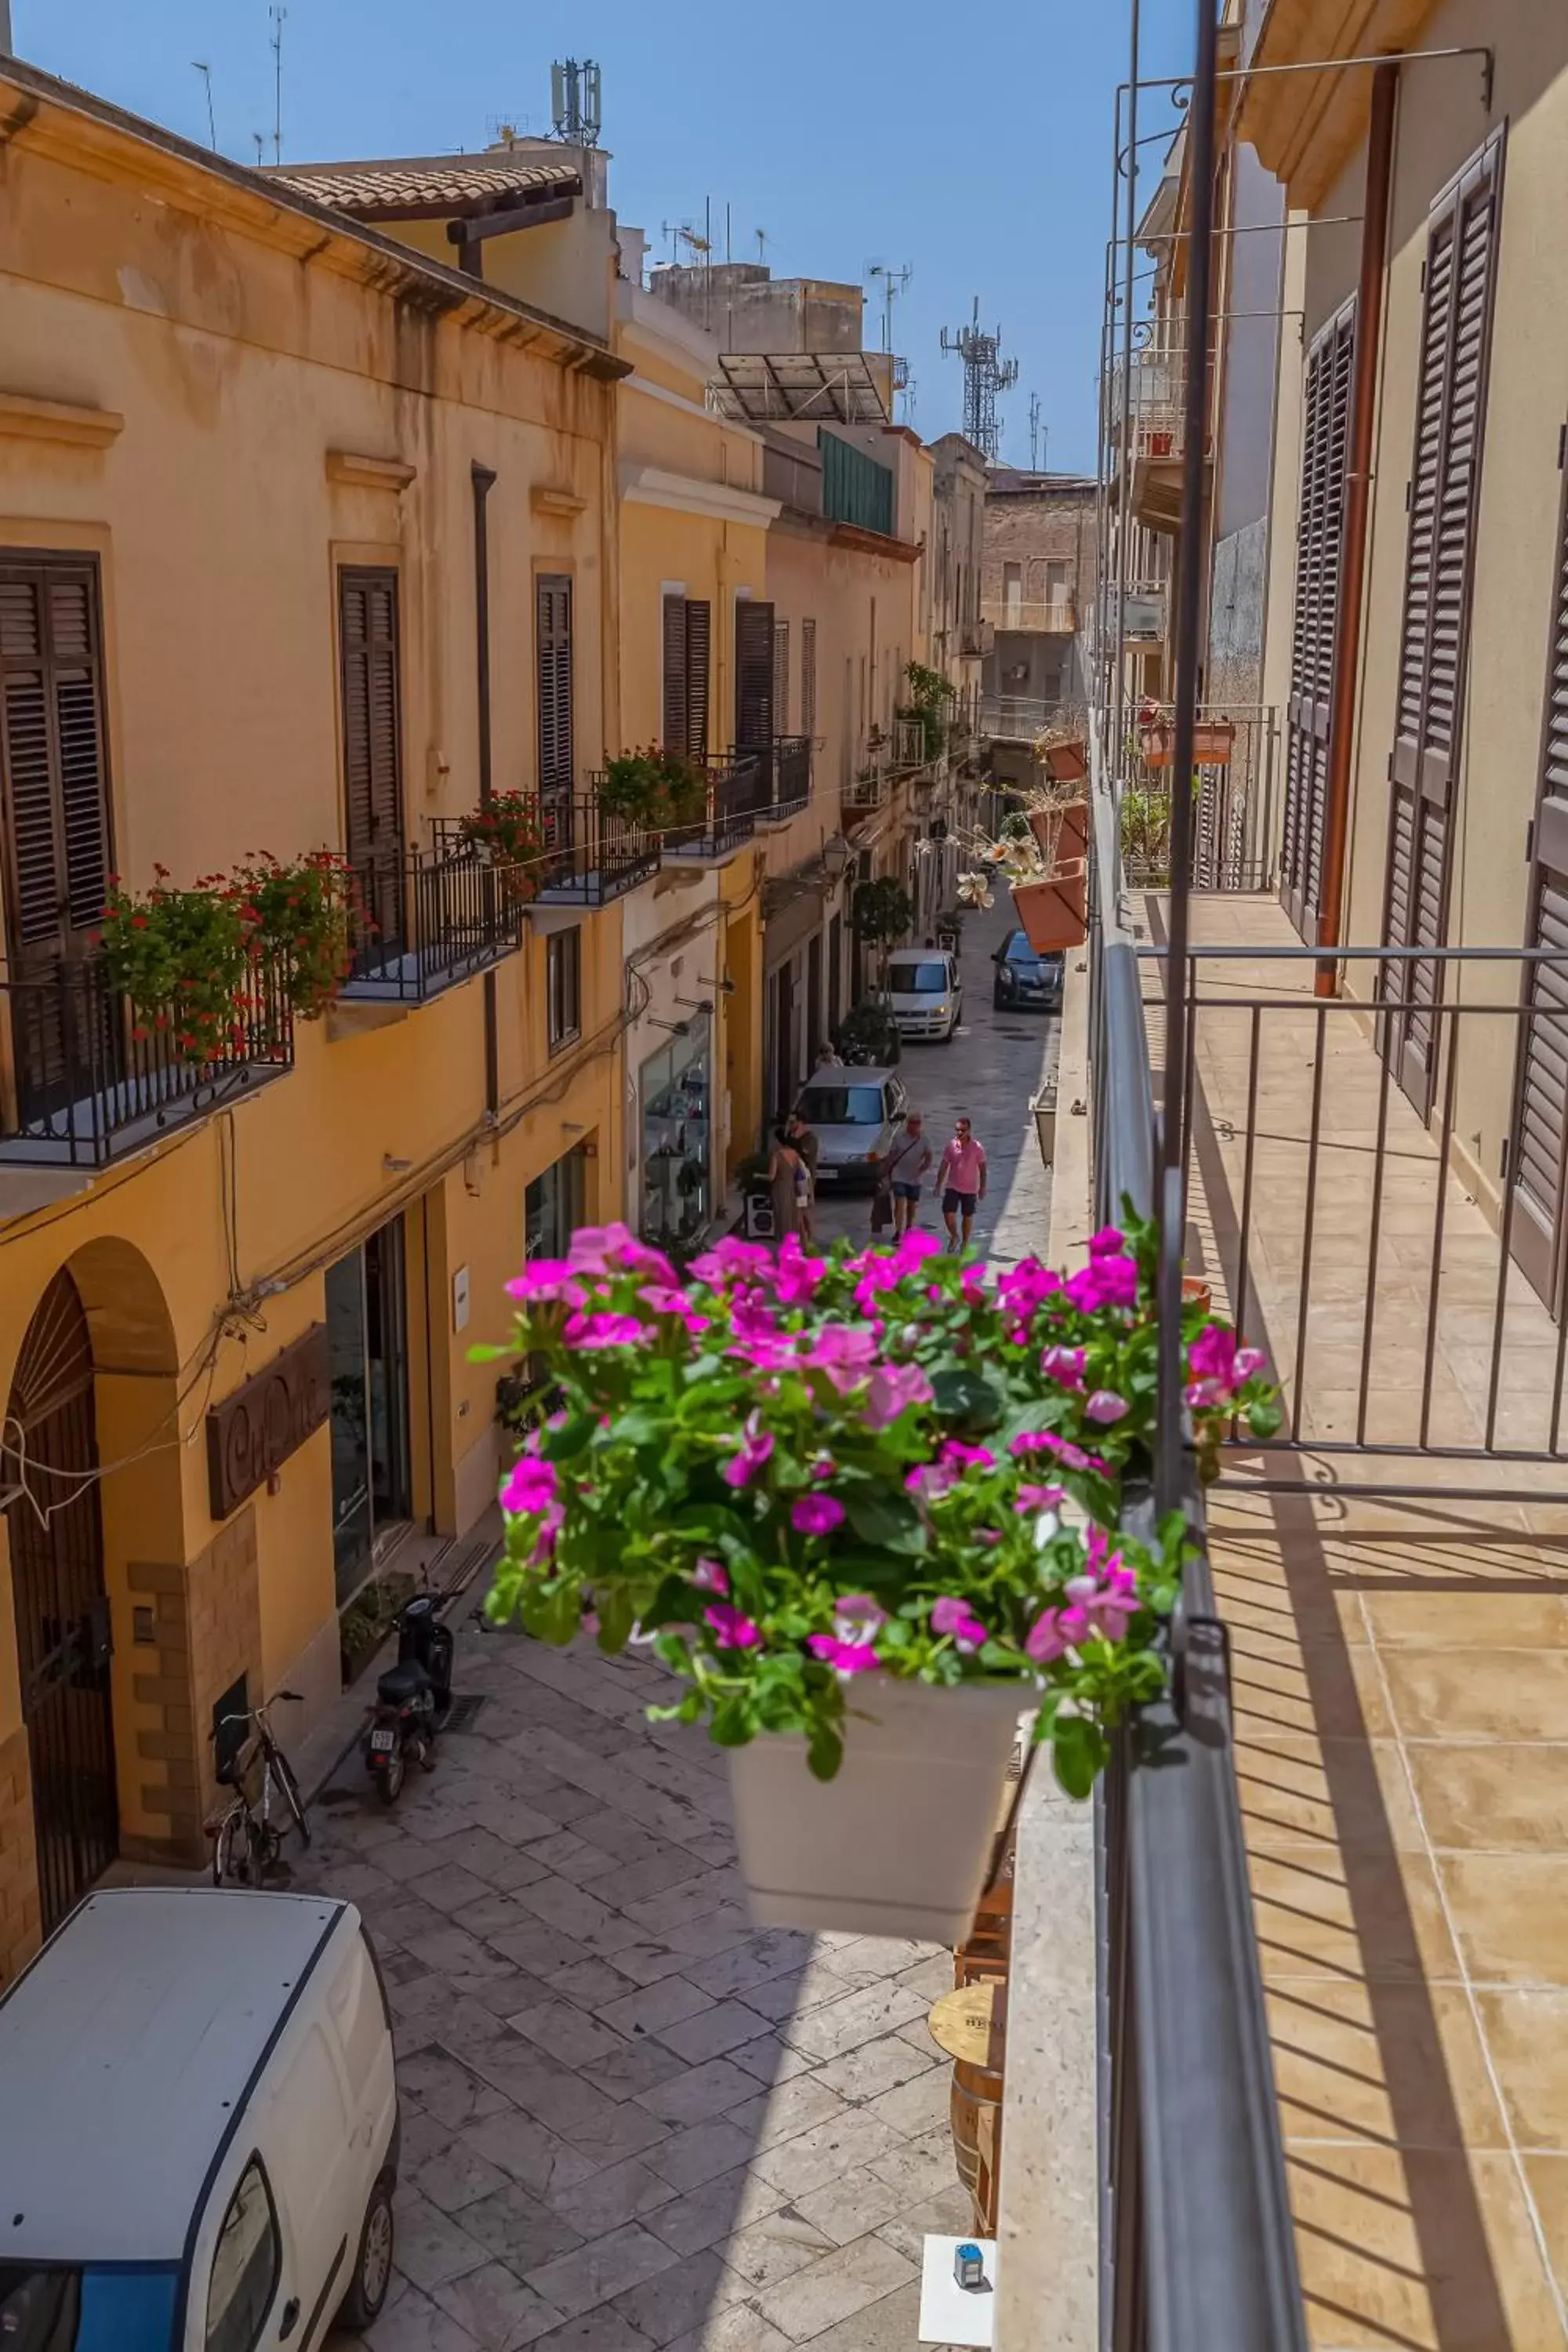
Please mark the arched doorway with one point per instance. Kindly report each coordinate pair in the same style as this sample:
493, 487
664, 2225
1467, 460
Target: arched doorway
62, 1613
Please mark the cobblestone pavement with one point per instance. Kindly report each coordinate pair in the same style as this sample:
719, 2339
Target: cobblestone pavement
629, 2119
989, 1071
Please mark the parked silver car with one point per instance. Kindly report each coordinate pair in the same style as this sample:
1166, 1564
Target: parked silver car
854, 1115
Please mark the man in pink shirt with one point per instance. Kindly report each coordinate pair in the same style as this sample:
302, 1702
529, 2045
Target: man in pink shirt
961, 1181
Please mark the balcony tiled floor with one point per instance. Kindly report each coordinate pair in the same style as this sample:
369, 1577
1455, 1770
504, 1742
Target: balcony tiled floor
1400, 1673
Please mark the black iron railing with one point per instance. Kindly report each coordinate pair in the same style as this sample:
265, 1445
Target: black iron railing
589, 855
1196, 2245
1237, 796
737, 795
425, 920
92, 1077
788, 760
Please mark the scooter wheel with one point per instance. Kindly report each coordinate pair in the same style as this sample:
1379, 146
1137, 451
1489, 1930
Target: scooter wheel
389, 1784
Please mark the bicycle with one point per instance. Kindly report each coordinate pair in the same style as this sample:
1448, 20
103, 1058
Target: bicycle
246, 1842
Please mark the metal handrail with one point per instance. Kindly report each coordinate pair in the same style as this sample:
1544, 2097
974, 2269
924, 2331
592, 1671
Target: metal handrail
425, 920
1197, 2247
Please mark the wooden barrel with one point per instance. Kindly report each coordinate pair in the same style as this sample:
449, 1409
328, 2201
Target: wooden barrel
971, 2025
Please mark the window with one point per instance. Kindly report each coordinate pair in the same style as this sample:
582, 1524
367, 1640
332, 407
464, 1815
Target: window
673, 1088
552, 656
1013, 584
688, 635
753, 673
53, 760
246, 2263
563, 985
1319, 529
841, 1106
808, 678
781, 677
368, 634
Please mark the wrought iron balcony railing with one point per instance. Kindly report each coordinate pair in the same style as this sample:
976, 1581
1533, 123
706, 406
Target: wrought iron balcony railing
788, 759
425, 920
738, 794
89, 1078
591, 856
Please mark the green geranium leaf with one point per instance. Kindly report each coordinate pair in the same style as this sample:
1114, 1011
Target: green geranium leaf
1078, 1752
967, 1397
886, 1518
1266, 1418
825, 1752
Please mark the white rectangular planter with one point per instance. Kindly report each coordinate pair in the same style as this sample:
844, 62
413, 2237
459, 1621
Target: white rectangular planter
899, 1843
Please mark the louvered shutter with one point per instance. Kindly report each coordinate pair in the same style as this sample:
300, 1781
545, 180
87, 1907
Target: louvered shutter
675, 681
754, 675
1445, 486
553, 639
781, 676
698, 669
808, 678
373, 743
1319, 549
52, 756
1539, 1159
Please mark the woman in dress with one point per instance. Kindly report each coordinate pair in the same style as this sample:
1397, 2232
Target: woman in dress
787, 1171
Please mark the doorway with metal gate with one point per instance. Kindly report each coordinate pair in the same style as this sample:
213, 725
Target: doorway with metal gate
63, 1636
367, 1335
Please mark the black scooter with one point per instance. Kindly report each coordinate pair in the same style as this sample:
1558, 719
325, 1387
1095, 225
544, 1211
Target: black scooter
413, 1698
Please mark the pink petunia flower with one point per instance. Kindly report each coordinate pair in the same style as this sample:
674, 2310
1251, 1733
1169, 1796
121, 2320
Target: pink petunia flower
546, 1282
711, 1576
798, 1274
1046, 1441
930, 1479
1047, 1638
1105, 1406
856, 1616
603, 1330
531, 1485
1104, 1282
1108, 1241
846, 1353
756, 1446
967, 1457
894, 1389
955, 1619
1038, 1498
729, 1629
816, 1514
844, 1657
1064, 1365
729, 1260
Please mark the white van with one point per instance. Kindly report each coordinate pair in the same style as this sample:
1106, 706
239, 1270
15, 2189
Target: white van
201, 2131
923, 994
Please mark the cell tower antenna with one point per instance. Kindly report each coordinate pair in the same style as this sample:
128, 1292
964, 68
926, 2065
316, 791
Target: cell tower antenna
895, 278
985, 374
277, 13
576, 100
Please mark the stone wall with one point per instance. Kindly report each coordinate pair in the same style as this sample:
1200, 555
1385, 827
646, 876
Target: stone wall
1234, 680
19, 1916
203, 1633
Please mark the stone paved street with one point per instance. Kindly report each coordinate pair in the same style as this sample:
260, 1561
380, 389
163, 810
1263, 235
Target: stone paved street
630, 2120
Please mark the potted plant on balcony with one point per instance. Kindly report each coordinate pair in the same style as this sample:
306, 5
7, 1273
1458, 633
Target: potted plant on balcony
654, 787
931, 697
1214, 741
179, 958
299, 920
1050, 886
505, 832
865, 1507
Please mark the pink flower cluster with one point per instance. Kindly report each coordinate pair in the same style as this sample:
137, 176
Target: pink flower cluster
1098, 1606
1218, 1368
532, 1491
851, 1647
1110, 1277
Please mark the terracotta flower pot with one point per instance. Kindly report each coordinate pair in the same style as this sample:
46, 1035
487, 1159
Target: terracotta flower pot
899, 1842
1213, 741
1068, 762
1062, 833
1055, 913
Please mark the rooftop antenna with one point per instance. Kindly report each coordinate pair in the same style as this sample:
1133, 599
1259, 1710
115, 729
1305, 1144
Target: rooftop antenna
277, 13
260, 148
1033, 432
985, 374
205, 71
577, 94
763, 241
894, 280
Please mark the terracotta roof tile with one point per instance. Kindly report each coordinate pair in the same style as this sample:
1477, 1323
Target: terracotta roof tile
382, 187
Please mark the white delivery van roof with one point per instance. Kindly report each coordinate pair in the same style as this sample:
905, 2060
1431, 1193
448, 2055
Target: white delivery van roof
126, 2051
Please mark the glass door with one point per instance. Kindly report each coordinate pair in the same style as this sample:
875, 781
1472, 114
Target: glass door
368, 1342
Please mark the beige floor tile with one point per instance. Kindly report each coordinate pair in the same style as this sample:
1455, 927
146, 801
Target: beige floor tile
1526, 2033
1298, 1791
1547, 2177
1425, 2251
1480, 1693
1331, 1689
1442, 1621
1386, 2062
1492, 1797
1349, 1916
1511, 1915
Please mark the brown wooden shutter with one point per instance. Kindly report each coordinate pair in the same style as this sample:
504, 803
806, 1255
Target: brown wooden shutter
781, 676
1445, 489
1318, 548
372, 729
1539, 1156
675, 681
53, 764
552, 640
808, 678
699, 671
753, 673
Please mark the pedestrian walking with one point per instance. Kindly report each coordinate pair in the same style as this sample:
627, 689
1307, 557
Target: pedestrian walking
806, 1144
908, 1160
961, 1181
786, 1175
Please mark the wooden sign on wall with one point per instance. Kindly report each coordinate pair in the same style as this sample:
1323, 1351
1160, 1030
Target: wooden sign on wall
252, 1433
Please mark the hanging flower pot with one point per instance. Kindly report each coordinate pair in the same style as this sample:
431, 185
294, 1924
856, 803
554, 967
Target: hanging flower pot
1061, 832
1054, 911
1068, 762
900, 1841
1213, 741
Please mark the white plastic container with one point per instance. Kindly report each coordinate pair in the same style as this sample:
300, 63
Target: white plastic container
899, 1842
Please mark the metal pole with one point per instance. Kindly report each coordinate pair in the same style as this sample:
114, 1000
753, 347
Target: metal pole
6, 49
1118, 716
1189, 601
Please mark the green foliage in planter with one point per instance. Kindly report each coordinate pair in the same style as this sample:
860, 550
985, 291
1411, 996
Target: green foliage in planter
653, 787
1014, 826
867, 1037
928, 707
299, 917
180, 958
802, 1473
1146, 836
882, 912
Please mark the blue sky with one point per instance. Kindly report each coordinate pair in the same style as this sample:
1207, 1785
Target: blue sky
975, 148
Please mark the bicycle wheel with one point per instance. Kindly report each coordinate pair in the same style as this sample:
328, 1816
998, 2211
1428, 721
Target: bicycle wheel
235, 1856
293, 1804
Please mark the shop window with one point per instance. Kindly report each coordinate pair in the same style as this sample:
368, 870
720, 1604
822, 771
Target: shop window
674, 1089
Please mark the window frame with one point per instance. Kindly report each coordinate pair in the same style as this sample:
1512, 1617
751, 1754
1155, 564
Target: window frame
253, 2163
564, 981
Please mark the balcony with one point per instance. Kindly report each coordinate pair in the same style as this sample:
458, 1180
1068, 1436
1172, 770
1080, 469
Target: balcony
1055, 616
1016, 717
430, 919
738, 797
1156, 411
787, 764
1142, 615
90, 1080
591, 856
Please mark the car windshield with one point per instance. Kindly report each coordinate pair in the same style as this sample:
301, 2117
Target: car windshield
107, 2307
842, 1107
1022, 954
917, 979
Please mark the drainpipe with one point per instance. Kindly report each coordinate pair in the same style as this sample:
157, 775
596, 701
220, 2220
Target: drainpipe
1358, 503
6, 28
484, 482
